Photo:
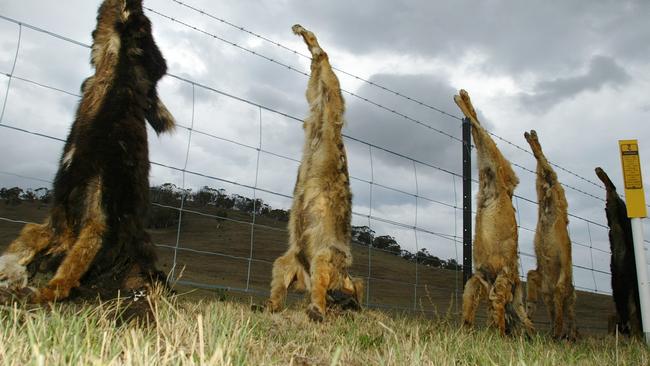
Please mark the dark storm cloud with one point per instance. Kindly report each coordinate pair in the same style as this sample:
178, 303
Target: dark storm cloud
398, 134
602, 72
515, 36
436, 153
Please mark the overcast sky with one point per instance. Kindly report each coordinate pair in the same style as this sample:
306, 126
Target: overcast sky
578, 72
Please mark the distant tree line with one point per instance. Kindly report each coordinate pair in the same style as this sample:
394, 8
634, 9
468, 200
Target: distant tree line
169, 195
166, 199
363, 235
16, 195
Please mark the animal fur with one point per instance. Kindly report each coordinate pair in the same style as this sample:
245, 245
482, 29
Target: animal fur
623, 265
94, 235
319, 256
554, 274
495, 243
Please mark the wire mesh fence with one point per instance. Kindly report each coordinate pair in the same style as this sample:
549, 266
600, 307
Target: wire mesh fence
222, 184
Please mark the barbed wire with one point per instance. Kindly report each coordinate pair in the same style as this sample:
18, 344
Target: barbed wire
398, 94
298, 120
454, 238
562, 184
274, 193
26, 177
191, 82
38, 29
518, 147
303, 55
289, 67
293, 117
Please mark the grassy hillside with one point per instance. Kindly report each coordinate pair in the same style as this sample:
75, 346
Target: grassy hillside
440, 291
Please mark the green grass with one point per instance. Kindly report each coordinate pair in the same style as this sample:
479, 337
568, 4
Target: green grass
228, 333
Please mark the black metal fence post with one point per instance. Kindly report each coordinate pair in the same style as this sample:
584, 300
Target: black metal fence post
467, 200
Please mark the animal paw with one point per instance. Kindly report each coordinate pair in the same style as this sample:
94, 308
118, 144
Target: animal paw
314, 313
530, 309
298, 29
13, 275
310, 39
272, 306
257, 308
342, 300
23, 294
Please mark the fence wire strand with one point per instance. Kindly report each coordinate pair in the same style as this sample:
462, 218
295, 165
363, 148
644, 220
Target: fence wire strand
374, 84
257, 174
67, 39
184, 191
10, 75
370, 101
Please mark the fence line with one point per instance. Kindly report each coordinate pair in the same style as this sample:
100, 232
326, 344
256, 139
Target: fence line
257, 174
303, 55
289, 67
179, 125
387, 109
67, 39
193, 83
184, 194
13, 69
377, 85
454, 238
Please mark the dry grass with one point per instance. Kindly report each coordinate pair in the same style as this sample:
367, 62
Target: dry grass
228, 333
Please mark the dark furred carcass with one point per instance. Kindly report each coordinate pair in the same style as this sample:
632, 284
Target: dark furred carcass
623, 266
94, 239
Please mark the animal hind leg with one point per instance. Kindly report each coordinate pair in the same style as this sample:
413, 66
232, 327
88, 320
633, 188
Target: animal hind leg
287, 271
634, 317
569, 306
535, 146
518, 307
558, 308
475, 289
322, 274
309, 38
82, 253
550, 309
501, 295
532, 292
33, 239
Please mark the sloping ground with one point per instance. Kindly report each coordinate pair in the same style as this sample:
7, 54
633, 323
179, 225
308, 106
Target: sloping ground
215, 252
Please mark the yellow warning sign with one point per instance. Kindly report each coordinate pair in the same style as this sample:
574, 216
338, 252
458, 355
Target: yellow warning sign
634, 195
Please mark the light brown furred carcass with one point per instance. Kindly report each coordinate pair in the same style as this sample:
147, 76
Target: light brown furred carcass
319, 255
553, 277
495, 256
